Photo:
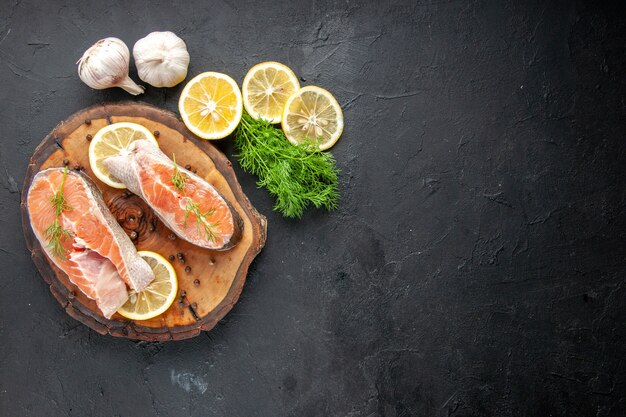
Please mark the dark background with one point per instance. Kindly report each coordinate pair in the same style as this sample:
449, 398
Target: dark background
475, 266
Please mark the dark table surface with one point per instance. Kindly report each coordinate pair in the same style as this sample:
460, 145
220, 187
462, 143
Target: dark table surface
475, 266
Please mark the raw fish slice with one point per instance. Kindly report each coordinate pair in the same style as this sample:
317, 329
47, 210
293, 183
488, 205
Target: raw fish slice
99, 257
102, 280
148, 172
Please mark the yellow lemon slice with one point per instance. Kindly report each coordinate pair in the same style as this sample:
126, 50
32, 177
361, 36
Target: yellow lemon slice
111, 140
266, 88
158, 296
210, 105
312, 113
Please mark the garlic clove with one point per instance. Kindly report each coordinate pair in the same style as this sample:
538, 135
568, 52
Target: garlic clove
161, 59
105, 65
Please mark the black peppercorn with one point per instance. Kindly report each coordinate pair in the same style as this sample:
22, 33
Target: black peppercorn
156, 133
187, 269
89, 137
196, 282
187, 167
171, 257
87, 121
183, 293
66, 162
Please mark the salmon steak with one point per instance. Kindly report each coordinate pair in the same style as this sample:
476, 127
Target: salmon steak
90, 246
186, 203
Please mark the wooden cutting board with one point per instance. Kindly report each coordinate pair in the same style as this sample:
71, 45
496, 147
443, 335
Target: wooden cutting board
209, 282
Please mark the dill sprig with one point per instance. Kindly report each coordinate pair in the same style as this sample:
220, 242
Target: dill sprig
58, 199
55, 233
297, 176
179, 179
191, 207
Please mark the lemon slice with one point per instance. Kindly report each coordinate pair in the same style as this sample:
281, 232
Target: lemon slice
158, 296
266, 88
313, 113
111, 140
210, 105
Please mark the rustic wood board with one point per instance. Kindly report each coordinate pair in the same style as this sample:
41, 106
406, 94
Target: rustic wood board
215, 280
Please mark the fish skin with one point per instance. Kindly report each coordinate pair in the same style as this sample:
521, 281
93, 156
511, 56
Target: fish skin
96, 238
147, 172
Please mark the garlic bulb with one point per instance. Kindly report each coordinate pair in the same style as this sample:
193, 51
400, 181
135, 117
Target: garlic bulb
161, 59
105, 65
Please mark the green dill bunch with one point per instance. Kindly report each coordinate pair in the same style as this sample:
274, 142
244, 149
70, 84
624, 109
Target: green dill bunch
296, 175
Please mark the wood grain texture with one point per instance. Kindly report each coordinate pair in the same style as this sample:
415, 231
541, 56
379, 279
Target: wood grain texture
210, 282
